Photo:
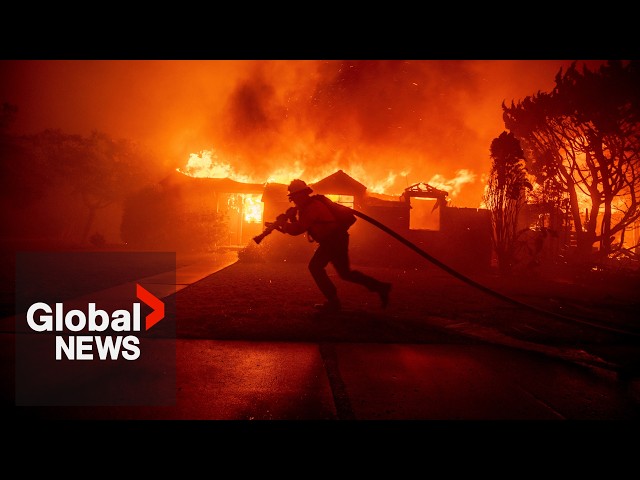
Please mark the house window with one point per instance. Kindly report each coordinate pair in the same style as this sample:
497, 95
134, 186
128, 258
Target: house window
248, 206
252, 208
423, 214
346, 200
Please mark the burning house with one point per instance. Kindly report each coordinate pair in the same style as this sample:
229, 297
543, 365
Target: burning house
238, 204
459, 237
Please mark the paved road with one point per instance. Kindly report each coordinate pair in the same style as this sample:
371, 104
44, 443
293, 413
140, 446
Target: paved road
485, 377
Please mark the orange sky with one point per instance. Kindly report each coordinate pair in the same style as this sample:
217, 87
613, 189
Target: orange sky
389, 124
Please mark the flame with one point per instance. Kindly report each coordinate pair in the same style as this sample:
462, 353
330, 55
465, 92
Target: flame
452, 185
285, 175
248, 205
384, 186
206, 164
252, 207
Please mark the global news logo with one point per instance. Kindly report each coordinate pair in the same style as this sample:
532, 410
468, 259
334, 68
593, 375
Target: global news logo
95, 333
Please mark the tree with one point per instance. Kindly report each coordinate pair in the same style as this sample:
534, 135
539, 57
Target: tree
584, 137
24, 183
98, 169
505, 195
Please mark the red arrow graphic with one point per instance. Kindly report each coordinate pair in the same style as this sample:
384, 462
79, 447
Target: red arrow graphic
155, 303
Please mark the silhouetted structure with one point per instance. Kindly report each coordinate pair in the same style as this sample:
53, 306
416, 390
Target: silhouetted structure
459, 237
203, 198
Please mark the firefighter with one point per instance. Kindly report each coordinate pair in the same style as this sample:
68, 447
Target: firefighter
315, 219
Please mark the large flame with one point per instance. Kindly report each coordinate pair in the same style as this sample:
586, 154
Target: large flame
452, 185
206, 164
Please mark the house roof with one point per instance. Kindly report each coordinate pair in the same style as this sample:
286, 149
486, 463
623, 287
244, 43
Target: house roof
339, 183
222, 185
275, 192
226, 185
424, 190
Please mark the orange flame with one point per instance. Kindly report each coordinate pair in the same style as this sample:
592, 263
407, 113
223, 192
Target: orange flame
452, 185
206, 164
252, 208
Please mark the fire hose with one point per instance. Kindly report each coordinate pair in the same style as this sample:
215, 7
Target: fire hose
291, 212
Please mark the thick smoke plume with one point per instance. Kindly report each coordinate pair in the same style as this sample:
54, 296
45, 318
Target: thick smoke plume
389, 124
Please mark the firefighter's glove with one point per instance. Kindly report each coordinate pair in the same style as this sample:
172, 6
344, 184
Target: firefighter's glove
291, 212
274, 225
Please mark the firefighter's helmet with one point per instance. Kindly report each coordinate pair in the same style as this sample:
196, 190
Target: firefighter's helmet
298, 186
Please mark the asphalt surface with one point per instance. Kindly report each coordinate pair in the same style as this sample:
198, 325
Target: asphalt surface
464, 374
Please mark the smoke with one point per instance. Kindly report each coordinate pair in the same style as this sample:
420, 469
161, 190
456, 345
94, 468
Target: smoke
389, 124
381, 117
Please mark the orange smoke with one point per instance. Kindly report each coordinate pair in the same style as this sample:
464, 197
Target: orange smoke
388, 124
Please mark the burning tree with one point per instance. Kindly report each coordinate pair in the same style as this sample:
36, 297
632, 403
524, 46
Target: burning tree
584, 136
505, 196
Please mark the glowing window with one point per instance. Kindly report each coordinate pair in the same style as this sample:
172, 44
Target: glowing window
248, 206
252, 208
346, 200
422, 215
